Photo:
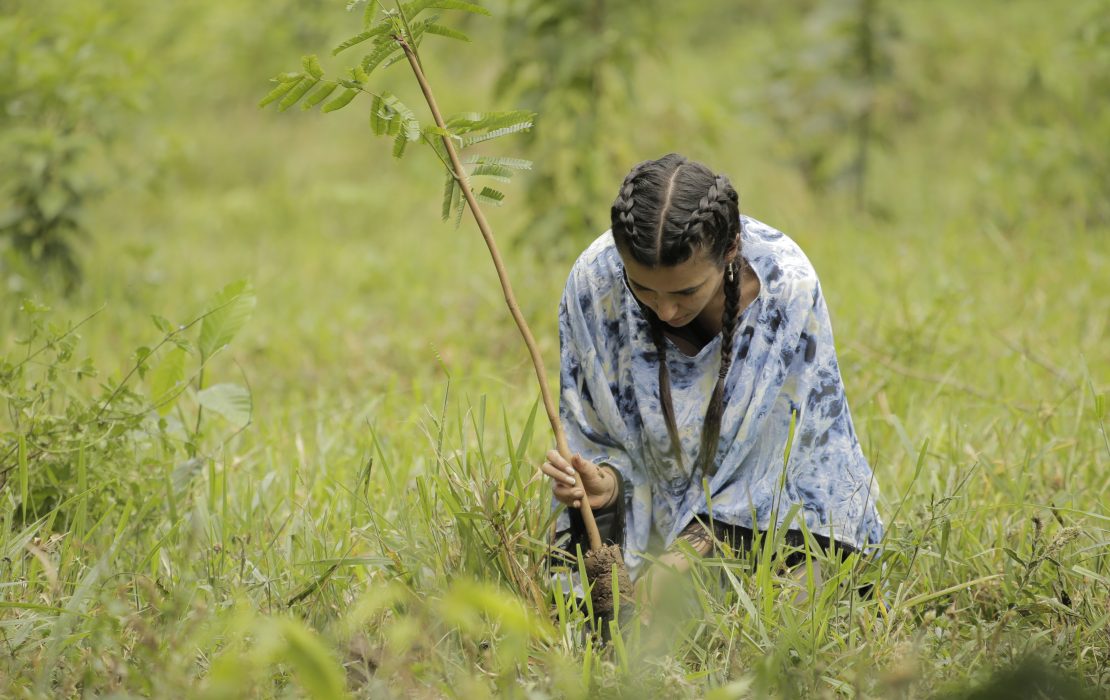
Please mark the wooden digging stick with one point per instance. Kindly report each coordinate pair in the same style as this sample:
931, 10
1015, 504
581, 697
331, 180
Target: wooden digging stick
537, 360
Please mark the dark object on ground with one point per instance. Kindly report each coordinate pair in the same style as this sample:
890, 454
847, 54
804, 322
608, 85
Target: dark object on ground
599, 571
1030, 678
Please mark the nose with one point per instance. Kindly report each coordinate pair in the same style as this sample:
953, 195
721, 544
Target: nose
667, 311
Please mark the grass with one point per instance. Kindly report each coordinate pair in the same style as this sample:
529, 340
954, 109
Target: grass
376, 530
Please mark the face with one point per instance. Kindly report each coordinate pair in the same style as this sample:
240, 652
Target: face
677, 294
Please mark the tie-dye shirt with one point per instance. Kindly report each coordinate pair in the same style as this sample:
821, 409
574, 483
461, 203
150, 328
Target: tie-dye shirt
784, 363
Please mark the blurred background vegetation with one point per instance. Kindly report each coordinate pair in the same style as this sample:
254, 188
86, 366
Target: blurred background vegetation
945, 165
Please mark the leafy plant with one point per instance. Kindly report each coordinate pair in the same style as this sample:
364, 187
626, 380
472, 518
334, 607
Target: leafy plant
575, 63
396, 37
61, 105
55, 432
829, 93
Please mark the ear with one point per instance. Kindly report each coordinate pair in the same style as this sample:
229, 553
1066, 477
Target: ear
732, 252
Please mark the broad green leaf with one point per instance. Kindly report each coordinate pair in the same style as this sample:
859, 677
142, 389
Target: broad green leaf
280, 91
311, 65
315, 667
228, 313
232, 401
320, 94
441, 30
162, 324
167, 380
294, 95
341, 101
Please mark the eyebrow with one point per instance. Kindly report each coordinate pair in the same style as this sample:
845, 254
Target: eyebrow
649, 289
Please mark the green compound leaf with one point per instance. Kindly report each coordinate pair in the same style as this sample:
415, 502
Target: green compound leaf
369, 13
399, 144
411, 9
497, 133
359, 38
297, 93
451, 195
320, 94
467, 122
341, 101
311, 65
381, 52
280, 91
491, 196
441, 30
497, 172
514, 163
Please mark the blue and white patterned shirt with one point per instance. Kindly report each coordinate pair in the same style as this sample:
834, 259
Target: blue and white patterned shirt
784, 362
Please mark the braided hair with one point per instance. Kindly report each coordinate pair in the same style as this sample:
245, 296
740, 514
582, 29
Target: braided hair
666, 211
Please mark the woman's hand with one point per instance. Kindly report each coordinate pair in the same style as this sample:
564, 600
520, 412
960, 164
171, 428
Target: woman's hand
573, 480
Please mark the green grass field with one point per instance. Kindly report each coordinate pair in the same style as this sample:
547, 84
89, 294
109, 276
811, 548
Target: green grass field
376, 529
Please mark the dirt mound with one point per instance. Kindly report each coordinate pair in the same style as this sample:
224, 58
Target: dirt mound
599, 570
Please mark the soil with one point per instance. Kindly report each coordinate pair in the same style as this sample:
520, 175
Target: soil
599, 570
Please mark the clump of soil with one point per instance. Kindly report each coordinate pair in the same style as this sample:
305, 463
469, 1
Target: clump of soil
599, 571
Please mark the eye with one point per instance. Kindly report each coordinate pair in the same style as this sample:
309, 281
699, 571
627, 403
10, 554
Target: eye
687, 292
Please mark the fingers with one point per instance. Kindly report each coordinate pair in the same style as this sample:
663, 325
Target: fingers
559, 475
565, 483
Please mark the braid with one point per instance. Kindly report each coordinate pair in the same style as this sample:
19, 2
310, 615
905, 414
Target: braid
711, 430
665, 385
621, 211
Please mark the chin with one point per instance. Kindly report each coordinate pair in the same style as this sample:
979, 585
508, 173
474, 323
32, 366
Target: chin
679, 322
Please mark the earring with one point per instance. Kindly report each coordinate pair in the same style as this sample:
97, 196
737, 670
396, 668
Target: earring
731, 273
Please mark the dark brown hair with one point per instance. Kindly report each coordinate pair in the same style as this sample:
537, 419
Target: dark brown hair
667, 210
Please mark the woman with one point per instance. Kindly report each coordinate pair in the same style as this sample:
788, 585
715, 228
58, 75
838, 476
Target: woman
691, 339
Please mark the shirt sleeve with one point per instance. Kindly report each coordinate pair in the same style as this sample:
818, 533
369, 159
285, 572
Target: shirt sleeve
588, 409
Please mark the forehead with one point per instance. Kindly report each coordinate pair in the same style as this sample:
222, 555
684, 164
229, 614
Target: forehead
670, 278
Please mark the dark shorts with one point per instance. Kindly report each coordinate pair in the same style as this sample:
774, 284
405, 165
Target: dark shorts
739, 539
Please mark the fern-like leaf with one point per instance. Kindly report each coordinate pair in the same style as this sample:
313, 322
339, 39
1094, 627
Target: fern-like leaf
311, 66
341, 101
320, 94
399, 144
450, 193
369, 13
467, 122
279, 91
491, 196
377, 122
497, 172
293, 96
411, 9
359, 38
514, 163
381, 52
441, 30
496, 133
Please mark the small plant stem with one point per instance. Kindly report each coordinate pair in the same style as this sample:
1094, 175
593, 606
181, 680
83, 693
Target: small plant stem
506, 287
